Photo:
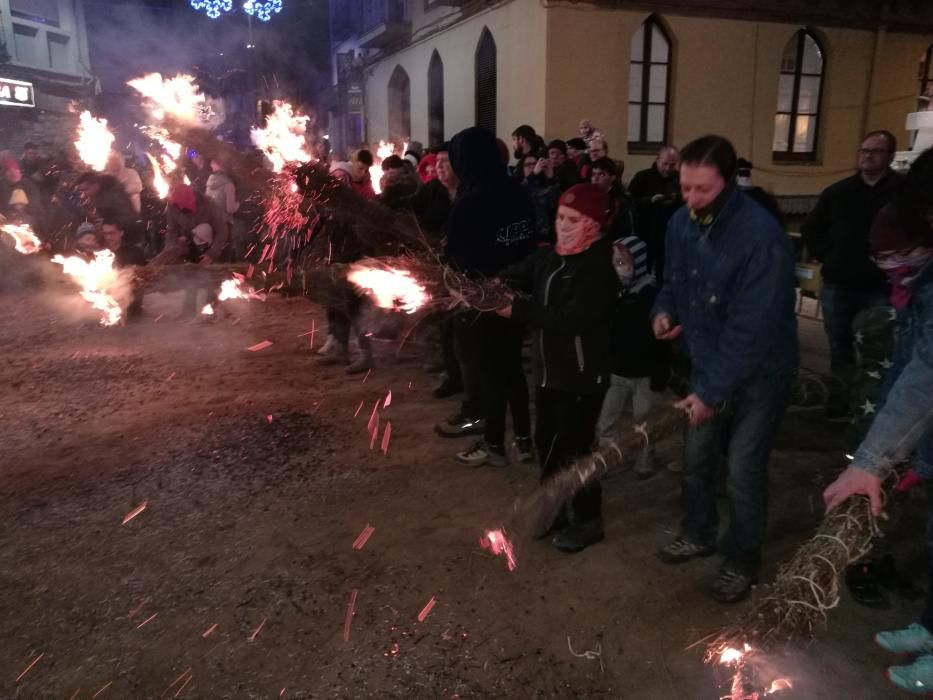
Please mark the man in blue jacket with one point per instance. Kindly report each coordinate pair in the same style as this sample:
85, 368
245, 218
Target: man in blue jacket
729, 291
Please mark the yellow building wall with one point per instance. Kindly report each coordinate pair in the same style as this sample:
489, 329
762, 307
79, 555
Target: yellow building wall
518, 29
725, 80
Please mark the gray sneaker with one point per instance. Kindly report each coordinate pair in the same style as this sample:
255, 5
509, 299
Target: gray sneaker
481, 453
682, 550
731, 586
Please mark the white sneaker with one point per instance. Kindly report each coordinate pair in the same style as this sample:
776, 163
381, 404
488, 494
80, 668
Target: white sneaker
328, 346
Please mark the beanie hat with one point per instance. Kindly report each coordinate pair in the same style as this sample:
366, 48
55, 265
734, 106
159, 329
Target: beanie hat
638, 249
341, 170
429, 162
182, 196
589, 200
85, 228
18, 197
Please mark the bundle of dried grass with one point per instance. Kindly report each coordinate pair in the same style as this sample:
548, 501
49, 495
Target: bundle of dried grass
806, 587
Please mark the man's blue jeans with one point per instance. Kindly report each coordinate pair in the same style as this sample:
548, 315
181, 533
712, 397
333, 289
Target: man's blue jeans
841, 304
745, 429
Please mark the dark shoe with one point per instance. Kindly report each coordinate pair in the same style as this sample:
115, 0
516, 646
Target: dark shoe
560, 523
682, 549
446, 389
481, 453
646, 463
731, 586
579, 536
362, 363
863, 583
466, 426
524, 449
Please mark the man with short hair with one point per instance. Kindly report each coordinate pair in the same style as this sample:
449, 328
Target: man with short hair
836, 234
565, 172
655, 192
525, 141
360, 180
730, 293
125, 254
607, 177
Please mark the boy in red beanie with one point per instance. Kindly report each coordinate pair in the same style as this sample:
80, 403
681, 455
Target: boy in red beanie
571, 291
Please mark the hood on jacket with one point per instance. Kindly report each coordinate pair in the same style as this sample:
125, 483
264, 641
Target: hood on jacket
638, 249
474, 157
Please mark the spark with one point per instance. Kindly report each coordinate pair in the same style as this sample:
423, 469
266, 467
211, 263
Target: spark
136, 511
179, 97
363, 537
386, 435
176, 681
388, 400
24, 240
209, 631
269, 418
29, 667
158, 318
368, 372
259, 346
230, 289
170, 377
426, 610
187, 681
252, 637
208, 310
75, 694
135, 610
317, 406
351, 607
101, 690
373, 423
147, 620
372, 441
498, 543
94, 141
358, 408
390, 289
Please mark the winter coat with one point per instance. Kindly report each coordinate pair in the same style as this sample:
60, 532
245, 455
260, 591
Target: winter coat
492, 222
836, 231
180, 222
730, 284
432, 207
570, 314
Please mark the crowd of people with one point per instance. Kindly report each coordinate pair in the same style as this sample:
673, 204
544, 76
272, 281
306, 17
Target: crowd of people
687, 270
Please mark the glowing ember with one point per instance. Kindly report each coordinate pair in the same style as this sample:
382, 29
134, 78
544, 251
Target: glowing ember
283, 138
351, 609
730, 655
386, 436
27, 669
133, 513
24, 240
158, 179
426, 610
94, 141
390, 288
178, 97
363, 537
96, 277
252, 637
209, 631
780, 684
497, 543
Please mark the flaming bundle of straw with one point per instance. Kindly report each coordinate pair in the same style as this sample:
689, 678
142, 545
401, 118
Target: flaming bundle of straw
806, 587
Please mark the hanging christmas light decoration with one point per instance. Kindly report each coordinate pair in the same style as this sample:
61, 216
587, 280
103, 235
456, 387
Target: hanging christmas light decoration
262, 9
213, 8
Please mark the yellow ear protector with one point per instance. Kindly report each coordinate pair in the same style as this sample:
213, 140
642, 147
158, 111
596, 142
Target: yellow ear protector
705, 220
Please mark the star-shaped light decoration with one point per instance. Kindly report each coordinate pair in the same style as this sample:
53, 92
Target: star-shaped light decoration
859, 338
262, 9
213, 8
886, 363
874, 374
868, 407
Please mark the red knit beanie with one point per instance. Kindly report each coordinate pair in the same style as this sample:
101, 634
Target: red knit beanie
182, 196
589, 200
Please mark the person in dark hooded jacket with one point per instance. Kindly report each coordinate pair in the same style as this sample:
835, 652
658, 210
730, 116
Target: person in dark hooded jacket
491, 226
572, 289
638, 358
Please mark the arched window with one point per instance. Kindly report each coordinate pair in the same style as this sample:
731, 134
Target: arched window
800, 88
399, 105
649, 86
925, 78
486, 81
435, 100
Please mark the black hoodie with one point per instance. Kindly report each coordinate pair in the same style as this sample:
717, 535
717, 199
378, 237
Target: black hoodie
492, 222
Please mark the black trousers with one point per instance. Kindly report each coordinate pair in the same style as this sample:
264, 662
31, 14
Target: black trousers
468, 334
503, 379
565, 428
447, 327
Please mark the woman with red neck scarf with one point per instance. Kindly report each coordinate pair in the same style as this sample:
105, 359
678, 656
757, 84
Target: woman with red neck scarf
902, 245
570, 290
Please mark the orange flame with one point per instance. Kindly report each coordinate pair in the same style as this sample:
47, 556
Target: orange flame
390, 288
385, 150
283, 138
96, 277
208, 310
24, 240
178, 97
158, 179
779, 684
94, 141
230, 289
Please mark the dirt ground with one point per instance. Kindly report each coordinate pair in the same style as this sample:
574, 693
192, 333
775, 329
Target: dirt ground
257, 477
